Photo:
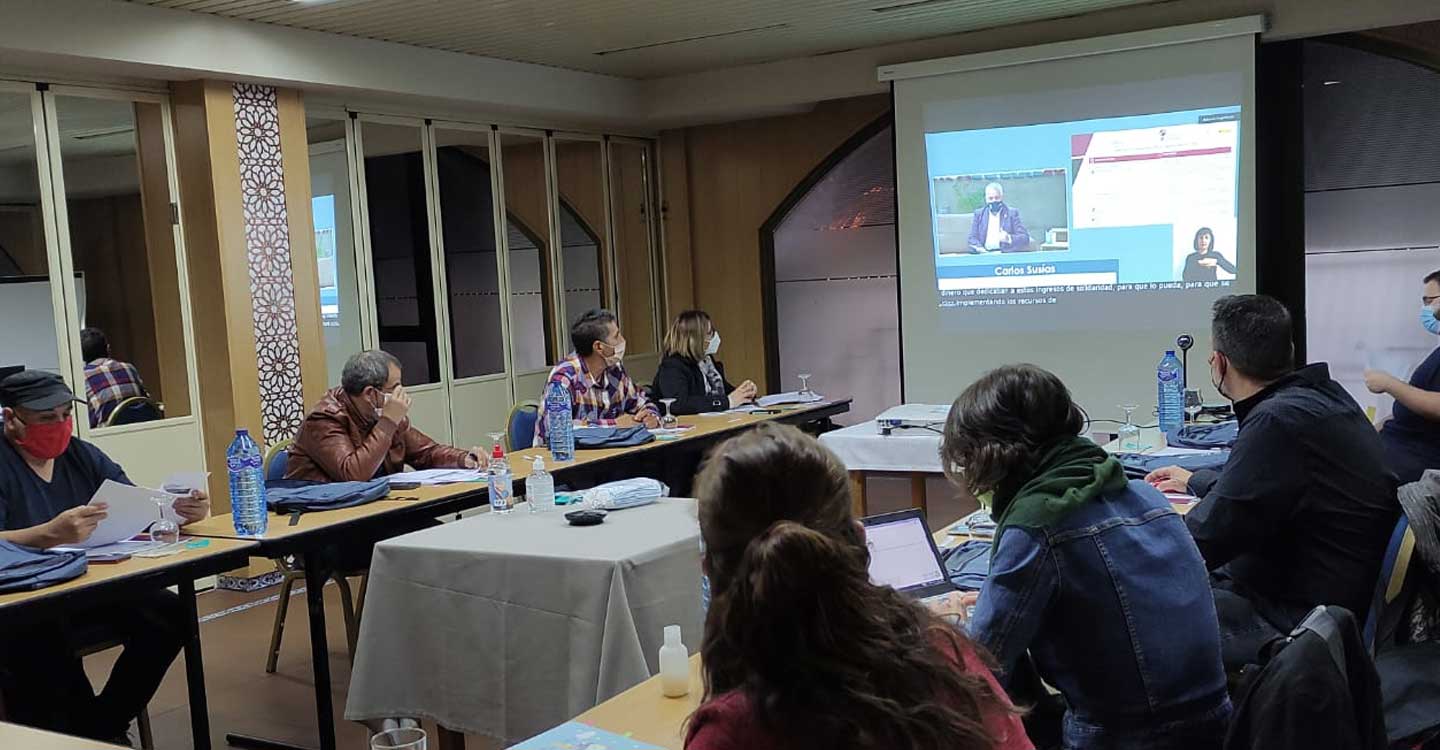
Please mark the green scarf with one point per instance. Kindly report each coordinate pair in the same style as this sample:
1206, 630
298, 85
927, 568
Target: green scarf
1069, 474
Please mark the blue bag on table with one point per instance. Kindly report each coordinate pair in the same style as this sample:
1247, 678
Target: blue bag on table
1139, 465
297, 495
590, 438
26, 568
1204, 436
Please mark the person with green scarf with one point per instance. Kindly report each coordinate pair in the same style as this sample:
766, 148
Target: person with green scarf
1092, 575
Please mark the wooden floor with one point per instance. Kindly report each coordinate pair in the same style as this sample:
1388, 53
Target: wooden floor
235, 632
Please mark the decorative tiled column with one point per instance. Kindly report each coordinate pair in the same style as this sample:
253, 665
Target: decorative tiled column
267, 249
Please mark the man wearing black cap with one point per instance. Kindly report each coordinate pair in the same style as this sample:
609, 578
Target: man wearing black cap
46, 480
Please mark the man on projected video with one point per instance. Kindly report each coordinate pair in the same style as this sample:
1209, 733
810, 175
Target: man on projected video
997, 226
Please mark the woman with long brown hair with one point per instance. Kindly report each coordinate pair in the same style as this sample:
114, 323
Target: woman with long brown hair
801, 649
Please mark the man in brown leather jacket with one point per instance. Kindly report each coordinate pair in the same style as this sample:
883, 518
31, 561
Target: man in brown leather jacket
361, 429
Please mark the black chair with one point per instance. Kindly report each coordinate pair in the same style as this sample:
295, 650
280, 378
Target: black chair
134, 410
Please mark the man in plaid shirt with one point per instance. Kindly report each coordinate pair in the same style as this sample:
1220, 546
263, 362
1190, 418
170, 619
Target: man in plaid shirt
601, 393
108, 382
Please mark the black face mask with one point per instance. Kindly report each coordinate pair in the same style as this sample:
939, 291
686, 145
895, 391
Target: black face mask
996, 206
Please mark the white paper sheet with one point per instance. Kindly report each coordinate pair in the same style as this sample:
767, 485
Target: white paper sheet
184, 482
131, 511
791, 397
439, 476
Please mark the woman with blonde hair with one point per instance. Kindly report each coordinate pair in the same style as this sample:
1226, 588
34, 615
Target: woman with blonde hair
691, 375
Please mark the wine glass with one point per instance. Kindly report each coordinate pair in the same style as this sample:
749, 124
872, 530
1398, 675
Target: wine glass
1193, 404
805, 384
669, 421
404, 738
164, 530
1129, 431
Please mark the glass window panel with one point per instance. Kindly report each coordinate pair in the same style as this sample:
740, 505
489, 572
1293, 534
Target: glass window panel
579, 171
122, 244
27, 337
472, 275
400, 248
528, 232
634, 257
330, 210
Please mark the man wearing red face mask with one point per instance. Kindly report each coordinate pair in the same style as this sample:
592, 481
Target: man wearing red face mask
47, 478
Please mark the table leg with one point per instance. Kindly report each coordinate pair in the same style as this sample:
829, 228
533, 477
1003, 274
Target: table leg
195, 668
917, 493
858, 502
316, 573
315, 577
449, 739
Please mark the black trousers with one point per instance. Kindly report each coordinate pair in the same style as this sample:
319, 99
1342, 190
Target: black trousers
1243, 631
44, 681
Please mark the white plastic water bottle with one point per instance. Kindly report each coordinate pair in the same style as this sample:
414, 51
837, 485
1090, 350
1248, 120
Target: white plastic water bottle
247, 485
501, 484
1171, 397
559, 423
674, 664
540, 487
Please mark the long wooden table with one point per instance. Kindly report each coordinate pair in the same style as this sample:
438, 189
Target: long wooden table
645, 714
113, 583
315, 537
16, 737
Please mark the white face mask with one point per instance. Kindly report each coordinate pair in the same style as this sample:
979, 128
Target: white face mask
618, 356
714, 345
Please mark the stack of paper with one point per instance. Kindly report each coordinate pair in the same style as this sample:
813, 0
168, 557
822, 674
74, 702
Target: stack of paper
439, 476
790, 397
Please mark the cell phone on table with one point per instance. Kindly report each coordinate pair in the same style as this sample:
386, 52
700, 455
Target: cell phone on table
404, 485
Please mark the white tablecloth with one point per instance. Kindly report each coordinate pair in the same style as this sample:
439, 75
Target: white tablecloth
505, 626
863, 448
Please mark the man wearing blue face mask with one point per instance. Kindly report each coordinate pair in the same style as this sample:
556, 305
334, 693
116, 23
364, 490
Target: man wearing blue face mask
996, 226
1411, 435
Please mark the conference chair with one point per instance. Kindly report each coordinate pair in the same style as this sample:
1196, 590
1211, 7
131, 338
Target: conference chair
520, 426
277, 458
134, 410
1387, 605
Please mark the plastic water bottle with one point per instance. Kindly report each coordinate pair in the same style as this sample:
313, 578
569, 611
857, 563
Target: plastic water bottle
674, 664
559, 423
501, 484
1171, 393
247, 485
540, 487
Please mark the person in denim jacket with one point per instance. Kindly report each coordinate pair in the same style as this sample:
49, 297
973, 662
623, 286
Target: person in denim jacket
1093, 575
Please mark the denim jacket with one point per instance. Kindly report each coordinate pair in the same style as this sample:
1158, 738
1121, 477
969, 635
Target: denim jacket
1114, 606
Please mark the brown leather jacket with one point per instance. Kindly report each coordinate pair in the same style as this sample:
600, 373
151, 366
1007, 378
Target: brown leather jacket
342, 441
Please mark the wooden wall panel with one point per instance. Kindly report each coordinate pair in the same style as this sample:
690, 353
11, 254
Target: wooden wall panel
675, 225
170, 382
632, 247
737, 174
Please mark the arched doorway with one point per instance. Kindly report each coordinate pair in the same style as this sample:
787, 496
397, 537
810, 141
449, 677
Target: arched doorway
829, 266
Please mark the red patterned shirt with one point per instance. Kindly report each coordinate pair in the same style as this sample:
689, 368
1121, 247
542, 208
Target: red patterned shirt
108, 382
597, 402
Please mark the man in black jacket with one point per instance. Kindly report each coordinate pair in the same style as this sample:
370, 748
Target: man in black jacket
1301, 513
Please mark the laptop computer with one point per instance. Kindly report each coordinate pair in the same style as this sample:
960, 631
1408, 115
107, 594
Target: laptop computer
903, 555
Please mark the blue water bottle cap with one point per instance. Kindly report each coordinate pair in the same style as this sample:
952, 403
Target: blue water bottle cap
1169, 352
242, 431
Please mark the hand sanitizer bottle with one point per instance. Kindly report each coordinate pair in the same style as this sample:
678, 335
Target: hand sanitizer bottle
674, 664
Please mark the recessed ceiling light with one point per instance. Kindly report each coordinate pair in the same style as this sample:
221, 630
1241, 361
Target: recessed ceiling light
1330, 83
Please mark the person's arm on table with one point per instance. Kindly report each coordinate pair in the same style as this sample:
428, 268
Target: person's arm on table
1422, 402
422, 452
637, 405
1014, 599
1253, 498
70, 527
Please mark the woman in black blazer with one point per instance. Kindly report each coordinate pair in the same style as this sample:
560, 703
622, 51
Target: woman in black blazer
690, 374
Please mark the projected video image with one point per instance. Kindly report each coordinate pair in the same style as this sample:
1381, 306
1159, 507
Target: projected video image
1138, 203
1008, 212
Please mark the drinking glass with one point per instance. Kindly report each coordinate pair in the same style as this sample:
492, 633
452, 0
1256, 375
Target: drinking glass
1129, 431
408, 738
164, 530
669, 420
804, 384
1193, 404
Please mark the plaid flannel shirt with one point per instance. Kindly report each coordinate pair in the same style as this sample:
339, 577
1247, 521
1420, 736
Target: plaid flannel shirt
598, 402
108, 382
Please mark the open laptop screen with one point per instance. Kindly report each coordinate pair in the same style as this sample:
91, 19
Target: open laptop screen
902, 555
